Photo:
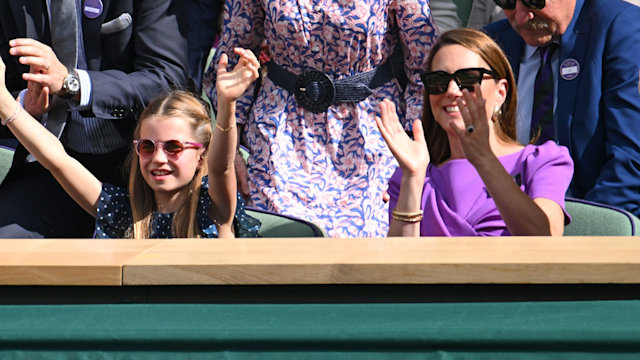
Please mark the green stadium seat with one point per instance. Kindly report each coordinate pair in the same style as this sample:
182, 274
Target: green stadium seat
594, 219
6, 157
277, 225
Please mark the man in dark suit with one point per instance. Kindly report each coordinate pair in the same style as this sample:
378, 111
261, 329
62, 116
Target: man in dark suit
596, 108
125, 53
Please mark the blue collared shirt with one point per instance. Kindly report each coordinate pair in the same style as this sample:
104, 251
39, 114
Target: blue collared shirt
526, 80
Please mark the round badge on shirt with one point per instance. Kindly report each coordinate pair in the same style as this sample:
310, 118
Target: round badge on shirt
92, 8
569, 69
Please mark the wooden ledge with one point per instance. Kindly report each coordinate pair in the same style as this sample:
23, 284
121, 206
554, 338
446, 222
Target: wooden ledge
67, 261
506, 260
269, 261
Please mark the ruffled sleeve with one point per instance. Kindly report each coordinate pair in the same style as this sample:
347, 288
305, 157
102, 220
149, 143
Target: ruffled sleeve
244, 224
113, 214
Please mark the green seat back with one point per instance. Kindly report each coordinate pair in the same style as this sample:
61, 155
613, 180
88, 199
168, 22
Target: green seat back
6, 157
594, 219
276, 225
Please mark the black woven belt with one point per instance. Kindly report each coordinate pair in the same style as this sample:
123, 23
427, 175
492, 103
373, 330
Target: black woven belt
316, 91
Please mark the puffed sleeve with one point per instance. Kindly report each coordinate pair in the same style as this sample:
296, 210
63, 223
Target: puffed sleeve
113, 215
244, 224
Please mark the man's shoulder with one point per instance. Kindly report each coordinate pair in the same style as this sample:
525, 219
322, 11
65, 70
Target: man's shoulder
502, 32
608, 6
606, 21
606, 11
497, 27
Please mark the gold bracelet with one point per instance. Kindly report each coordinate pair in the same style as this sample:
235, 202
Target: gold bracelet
409, 214
225, 129
15, 114
410, 217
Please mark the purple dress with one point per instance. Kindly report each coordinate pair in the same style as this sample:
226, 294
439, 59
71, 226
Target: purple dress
330, 168
456, 203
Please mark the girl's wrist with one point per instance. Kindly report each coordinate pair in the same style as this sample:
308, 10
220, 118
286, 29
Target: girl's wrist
225, 129
7, 105
9, 119
6, 119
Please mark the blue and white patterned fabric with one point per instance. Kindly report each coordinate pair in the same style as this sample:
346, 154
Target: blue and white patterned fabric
330, 168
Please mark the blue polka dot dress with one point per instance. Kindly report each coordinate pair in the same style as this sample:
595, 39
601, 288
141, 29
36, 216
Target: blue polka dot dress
114, 216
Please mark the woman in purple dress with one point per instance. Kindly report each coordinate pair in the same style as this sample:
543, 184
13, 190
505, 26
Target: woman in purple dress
474, 178
315, 151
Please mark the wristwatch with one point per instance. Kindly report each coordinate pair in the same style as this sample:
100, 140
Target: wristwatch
70, 85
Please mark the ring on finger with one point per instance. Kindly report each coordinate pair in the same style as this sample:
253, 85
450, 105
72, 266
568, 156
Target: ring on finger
470, 129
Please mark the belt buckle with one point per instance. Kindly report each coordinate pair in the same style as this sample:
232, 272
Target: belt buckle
314, 91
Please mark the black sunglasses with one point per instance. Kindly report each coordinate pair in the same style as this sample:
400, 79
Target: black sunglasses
511, 4
147, 147
437, 82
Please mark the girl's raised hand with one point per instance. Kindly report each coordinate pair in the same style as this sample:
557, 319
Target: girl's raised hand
474, 136
230, 85
412, 155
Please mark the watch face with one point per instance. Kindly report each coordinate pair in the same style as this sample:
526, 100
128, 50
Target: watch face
73, 85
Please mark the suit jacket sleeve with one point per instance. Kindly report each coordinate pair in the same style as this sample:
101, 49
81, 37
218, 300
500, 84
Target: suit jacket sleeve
13, 79
159, 62
618, 182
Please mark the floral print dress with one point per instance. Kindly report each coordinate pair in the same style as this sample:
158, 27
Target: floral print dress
330, 168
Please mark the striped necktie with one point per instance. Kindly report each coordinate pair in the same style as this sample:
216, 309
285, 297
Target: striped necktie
542, 114
64, 42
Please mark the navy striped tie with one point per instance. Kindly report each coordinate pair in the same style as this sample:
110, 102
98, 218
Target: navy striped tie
542, 114
64, 41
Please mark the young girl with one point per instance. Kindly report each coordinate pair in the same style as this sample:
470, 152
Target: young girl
474, 178
169, 194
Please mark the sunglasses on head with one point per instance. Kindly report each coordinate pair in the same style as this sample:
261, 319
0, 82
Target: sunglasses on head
511, 4
147, 147
437, 82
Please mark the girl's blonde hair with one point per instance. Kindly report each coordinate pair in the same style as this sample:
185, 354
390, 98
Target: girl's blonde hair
186, 106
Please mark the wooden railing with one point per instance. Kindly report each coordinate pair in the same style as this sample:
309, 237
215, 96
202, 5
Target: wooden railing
269, 261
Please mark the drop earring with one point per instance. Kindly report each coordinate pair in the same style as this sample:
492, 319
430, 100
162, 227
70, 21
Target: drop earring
497, 114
